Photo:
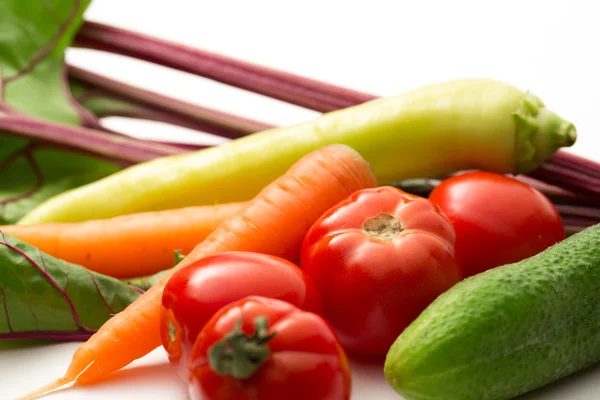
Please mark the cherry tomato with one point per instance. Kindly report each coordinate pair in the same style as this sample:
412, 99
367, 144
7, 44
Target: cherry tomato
497, 219
194, 293
266, 349
379, 258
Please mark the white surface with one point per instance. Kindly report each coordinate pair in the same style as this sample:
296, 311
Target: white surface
382, 47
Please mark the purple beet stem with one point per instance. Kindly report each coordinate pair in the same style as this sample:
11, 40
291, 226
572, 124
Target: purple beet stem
150, 105
294, 89
114, 147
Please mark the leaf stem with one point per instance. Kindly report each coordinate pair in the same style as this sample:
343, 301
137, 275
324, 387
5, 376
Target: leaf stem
578, 163
120, 148
87, 118
578, 211
576, 224
8, 323
154, 106
572, 173
294, 89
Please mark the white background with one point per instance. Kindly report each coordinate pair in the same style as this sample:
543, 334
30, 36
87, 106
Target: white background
381, 47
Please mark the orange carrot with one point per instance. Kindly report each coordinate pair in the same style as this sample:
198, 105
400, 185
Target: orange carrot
129, 245
274, 222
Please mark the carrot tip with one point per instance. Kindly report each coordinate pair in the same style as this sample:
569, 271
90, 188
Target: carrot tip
46, 389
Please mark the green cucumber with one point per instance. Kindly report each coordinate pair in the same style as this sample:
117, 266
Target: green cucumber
506, 331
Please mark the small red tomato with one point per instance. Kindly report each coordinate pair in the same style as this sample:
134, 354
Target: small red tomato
379, 258
497, 219
194, 293
266, 349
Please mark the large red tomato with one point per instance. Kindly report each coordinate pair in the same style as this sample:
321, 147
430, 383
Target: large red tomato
195, 293
266, 349
379, 258
497, 219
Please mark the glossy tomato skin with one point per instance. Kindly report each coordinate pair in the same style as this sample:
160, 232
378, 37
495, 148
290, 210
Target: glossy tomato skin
306, 360
196, 292
373, 288
497, 219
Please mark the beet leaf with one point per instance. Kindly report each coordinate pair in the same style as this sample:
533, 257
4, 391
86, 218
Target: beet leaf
42, 297
30, 174
33, 40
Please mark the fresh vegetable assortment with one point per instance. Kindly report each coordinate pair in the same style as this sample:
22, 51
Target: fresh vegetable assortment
274, 222
262, 264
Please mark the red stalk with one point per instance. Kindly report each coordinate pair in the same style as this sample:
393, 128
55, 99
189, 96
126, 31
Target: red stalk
576, 224
305, 92
118, 148
577, 176
579, 211
577, 163
154, 106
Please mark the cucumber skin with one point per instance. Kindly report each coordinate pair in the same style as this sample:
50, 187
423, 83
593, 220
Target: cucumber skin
506, 331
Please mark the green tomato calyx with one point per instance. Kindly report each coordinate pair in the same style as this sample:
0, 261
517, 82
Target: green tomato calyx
239, 355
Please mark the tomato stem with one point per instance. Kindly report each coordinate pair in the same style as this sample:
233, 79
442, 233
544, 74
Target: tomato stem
383, 226
239, 355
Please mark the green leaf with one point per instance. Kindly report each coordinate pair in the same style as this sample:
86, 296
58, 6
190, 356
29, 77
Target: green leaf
32, 174
34, 36
42, 297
